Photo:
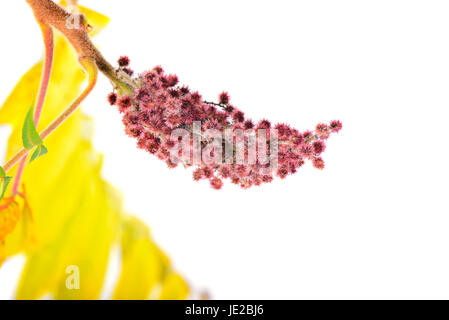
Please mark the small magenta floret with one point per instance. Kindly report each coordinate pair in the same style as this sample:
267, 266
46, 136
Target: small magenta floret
223, 98
123, 61
112, 98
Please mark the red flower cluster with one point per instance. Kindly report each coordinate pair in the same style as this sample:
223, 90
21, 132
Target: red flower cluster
159, 107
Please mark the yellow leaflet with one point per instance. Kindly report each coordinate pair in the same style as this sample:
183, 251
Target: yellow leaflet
84, 240
174, 288
98, 231
2, 253
143, 264
23, 236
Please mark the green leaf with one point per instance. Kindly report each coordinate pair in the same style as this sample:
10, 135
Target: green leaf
4, 181
4, 185
30, 136
39, 152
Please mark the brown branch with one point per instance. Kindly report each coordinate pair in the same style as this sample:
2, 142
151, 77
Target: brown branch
48, 12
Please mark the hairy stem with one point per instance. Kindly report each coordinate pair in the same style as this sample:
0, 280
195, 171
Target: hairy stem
46, 11
91, 69
72, 2
18, 176
47, 33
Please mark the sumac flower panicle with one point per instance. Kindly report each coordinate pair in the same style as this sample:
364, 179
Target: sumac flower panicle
159, 107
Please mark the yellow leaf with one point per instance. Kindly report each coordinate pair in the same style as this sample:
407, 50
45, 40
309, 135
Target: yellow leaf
84, 240
143, 264
2, 253
65, 232
91, 255
23, 236
66, 82
71, 217
174, 288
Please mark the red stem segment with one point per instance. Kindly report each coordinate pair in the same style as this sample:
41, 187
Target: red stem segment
47, 33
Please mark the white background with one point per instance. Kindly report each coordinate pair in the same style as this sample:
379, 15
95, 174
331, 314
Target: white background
373, 224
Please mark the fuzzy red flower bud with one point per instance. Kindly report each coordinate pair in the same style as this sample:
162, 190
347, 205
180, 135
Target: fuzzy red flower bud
235, 180
112, 98
184, 90
284, 130
229, 109
336, 126
318, 163
216, 183
267, 178
282, 172
124, 103
197, 174
307, 134
264, 124
238, 116
322, 131
225, 172
123, 61
172, 80
318, 147
306, 150
158, 70
207, 172
297, 139
248, 124
223, 98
